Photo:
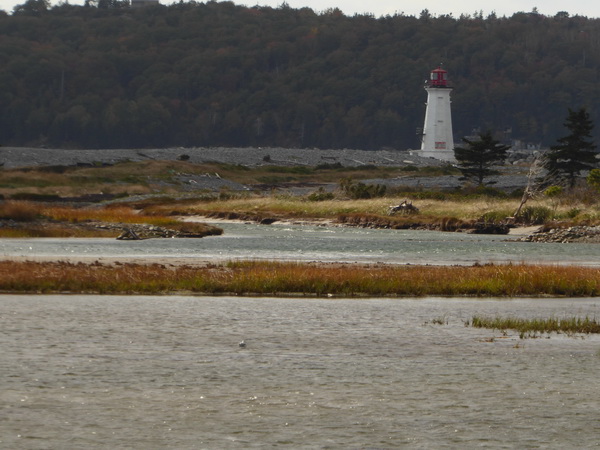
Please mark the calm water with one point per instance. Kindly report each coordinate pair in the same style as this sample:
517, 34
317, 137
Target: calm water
312, 243
167, 372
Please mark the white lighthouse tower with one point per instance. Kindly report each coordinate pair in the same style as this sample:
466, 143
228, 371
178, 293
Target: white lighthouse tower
438, 141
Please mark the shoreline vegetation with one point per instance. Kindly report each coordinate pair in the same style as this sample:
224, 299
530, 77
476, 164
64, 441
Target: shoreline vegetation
25, 219
62, 201
292, 279
533, 328
56, 202
157, 217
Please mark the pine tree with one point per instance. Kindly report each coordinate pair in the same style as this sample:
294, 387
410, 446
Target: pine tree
476, 159
573, 153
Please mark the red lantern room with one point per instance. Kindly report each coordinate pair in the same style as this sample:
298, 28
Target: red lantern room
439, 78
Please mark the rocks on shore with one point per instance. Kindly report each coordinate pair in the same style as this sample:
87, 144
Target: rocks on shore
584, 234
135, 232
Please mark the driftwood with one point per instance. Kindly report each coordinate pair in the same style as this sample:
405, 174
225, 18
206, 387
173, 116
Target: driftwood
405, 207
128, 235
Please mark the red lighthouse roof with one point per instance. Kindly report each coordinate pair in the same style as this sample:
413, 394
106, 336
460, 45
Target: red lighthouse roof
438, 78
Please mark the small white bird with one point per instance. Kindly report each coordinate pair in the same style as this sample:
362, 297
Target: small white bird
242, 344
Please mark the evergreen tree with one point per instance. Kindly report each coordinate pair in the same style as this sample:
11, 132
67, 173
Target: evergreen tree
574, 152
476, 159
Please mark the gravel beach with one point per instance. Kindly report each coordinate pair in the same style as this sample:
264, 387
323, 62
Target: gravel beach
16, 157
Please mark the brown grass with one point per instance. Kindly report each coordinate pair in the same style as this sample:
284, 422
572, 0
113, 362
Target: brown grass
300, 279
24, 211
444, 214
56, 231
18, 211
31, 219
113, 214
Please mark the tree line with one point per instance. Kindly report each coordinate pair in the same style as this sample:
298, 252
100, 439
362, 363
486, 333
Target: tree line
104, 75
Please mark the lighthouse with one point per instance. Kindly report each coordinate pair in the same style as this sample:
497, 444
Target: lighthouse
437, 140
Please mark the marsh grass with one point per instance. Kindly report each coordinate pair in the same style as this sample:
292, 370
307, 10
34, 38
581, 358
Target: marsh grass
115, 214
153, 176
23, 211
289, 206
533, 327
19, 211
55, 231
73, 181
302, 279
443, 320
57, 220
431, 211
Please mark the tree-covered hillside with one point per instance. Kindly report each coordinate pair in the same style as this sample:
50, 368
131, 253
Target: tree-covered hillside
211, 74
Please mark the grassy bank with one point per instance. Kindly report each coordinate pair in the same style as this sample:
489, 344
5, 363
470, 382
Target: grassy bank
461, 211
301, 279
298, 207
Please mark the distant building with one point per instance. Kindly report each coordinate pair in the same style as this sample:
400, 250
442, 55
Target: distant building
142, 3
437, 138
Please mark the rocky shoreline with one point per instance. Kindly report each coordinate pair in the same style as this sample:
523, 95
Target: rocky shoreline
579, 234
575, 234
134, 232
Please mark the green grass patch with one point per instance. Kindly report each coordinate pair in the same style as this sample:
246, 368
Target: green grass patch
535, 215
276, 179
301, 170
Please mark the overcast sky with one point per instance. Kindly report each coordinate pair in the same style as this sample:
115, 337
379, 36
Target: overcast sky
589, 8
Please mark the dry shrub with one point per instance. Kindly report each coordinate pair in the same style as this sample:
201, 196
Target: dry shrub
54, 230
450, 224
19, 211
120, 214
580, 195
111, 214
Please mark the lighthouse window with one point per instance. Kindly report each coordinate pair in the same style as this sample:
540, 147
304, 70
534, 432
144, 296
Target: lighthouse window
434, 76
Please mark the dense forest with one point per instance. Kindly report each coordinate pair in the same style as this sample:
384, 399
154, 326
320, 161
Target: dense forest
105, 75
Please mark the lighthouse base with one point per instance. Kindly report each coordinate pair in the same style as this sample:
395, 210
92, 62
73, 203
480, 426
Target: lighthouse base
442, 155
